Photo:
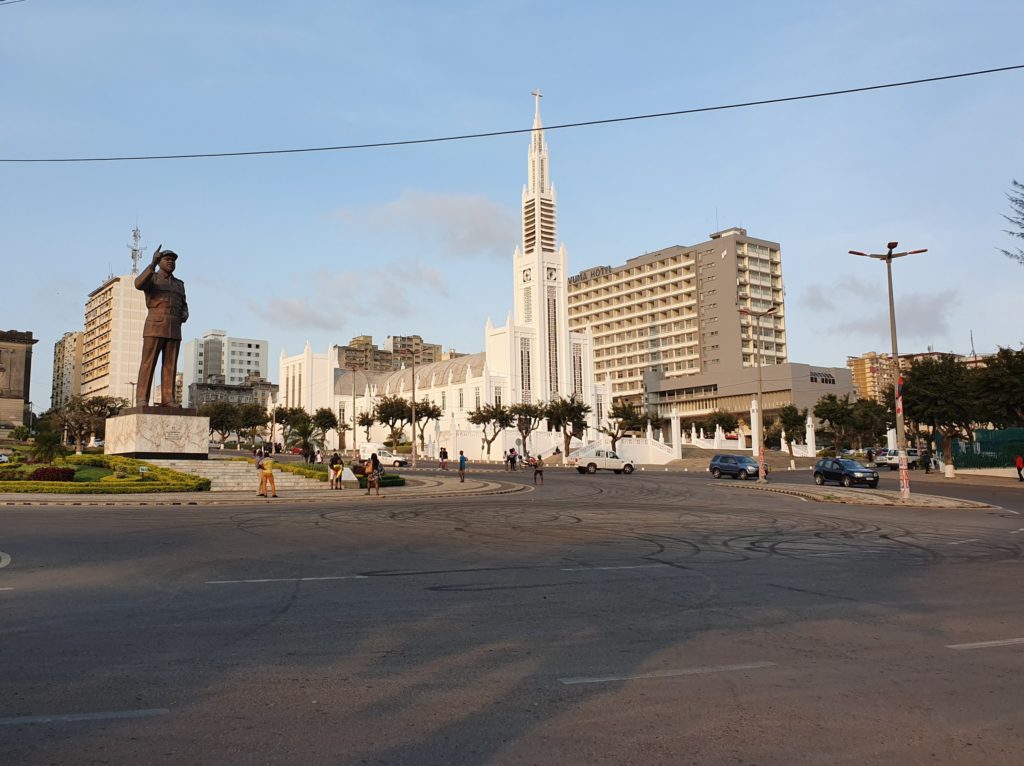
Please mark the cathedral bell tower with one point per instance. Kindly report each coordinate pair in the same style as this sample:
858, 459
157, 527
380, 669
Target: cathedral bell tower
539, 273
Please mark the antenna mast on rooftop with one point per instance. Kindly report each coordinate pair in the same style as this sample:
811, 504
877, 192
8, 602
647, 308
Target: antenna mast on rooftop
136, 248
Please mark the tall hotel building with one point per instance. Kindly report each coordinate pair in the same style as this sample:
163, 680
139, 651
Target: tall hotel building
676, 311
115, 315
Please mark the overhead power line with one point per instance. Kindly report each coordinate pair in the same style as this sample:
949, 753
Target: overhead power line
494, 133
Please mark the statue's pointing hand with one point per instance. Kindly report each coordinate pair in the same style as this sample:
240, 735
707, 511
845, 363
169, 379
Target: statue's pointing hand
157, 254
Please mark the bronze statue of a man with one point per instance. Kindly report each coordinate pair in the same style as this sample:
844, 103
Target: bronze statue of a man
165, 299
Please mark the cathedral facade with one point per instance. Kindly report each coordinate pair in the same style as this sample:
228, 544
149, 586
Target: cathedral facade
535, 357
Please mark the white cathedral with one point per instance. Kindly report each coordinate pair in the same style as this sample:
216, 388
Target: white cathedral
533, 358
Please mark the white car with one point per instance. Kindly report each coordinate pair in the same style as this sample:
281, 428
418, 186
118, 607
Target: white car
601, 460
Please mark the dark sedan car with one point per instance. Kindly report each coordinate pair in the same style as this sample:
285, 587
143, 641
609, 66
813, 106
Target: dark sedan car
736, 466
845, 472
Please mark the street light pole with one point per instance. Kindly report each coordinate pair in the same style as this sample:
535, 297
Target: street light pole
762, 473
901, 443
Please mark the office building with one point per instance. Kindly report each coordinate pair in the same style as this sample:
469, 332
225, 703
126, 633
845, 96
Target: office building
115, 315
219, 358
15, 378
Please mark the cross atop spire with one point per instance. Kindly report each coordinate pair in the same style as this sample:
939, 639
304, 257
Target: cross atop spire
537, 96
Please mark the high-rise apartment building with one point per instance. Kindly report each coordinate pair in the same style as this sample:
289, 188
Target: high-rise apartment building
115, 315
362, 353
67, 368
872, 375
676, 311
217, 357
411, 347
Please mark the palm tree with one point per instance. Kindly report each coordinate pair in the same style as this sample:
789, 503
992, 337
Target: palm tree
303, 434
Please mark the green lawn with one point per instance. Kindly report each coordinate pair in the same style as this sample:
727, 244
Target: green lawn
91, 473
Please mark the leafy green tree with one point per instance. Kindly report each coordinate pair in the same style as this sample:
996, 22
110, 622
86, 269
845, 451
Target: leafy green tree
252, 418
623, 418
84, 416
1000, 389
20, 433
493, 419
1016, 218
838, 413
869, 421
224, 418
792, 421
46, 447
426, 411
942, 393
325, 420
342, 429
528, 417
726, 420
366, 421
569, 416
396, 414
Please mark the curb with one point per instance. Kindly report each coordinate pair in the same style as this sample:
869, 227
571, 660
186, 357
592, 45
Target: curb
859, 499
210, 499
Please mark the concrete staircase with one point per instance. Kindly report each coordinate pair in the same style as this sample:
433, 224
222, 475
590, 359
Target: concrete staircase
236, 476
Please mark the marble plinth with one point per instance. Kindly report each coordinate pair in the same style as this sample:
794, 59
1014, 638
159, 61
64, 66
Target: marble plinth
167, 434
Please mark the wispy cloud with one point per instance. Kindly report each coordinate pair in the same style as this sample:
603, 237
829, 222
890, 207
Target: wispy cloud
458, 225
855, 307
391, 292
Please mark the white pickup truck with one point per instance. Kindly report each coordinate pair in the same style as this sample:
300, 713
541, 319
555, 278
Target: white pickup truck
601, 460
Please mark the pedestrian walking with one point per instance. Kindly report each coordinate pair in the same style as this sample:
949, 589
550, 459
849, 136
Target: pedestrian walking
319, 457
334, 467
462, 466
267, 479
927, 458
870, 456
373, 474
512, 459
1020, 467
538, 469
504, 459
443, 455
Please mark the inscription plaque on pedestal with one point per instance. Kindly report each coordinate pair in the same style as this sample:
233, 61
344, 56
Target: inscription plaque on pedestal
158, 432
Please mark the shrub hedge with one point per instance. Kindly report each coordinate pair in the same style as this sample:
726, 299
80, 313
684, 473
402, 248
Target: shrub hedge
126, 478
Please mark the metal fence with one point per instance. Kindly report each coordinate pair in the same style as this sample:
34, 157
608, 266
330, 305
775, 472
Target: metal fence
990, 449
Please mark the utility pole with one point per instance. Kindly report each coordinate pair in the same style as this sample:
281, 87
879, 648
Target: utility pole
901, 443
762, 472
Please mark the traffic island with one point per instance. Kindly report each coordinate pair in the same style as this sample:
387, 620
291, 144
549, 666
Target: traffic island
416, 488
854, 496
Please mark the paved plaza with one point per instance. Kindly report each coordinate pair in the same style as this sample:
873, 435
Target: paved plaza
661, 617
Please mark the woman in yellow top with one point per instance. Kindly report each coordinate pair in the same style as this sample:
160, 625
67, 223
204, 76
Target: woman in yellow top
266, 466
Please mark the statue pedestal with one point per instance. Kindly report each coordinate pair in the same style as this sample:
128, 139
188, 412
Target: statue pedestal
158, 432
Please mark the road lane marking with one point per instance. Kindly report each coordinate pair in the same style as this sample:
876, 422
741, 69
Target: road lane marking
667, 673
5, 559
1017, 531
6, 588
73, 717
602, 569
961, 542
987, 644
286, 579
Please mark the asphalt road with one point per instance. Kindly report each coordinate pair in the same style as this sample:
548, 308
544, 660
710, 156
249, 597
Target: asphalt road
656, 618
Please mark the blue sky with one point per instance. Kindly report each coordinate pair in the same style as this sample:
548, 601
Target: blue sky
325, 246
